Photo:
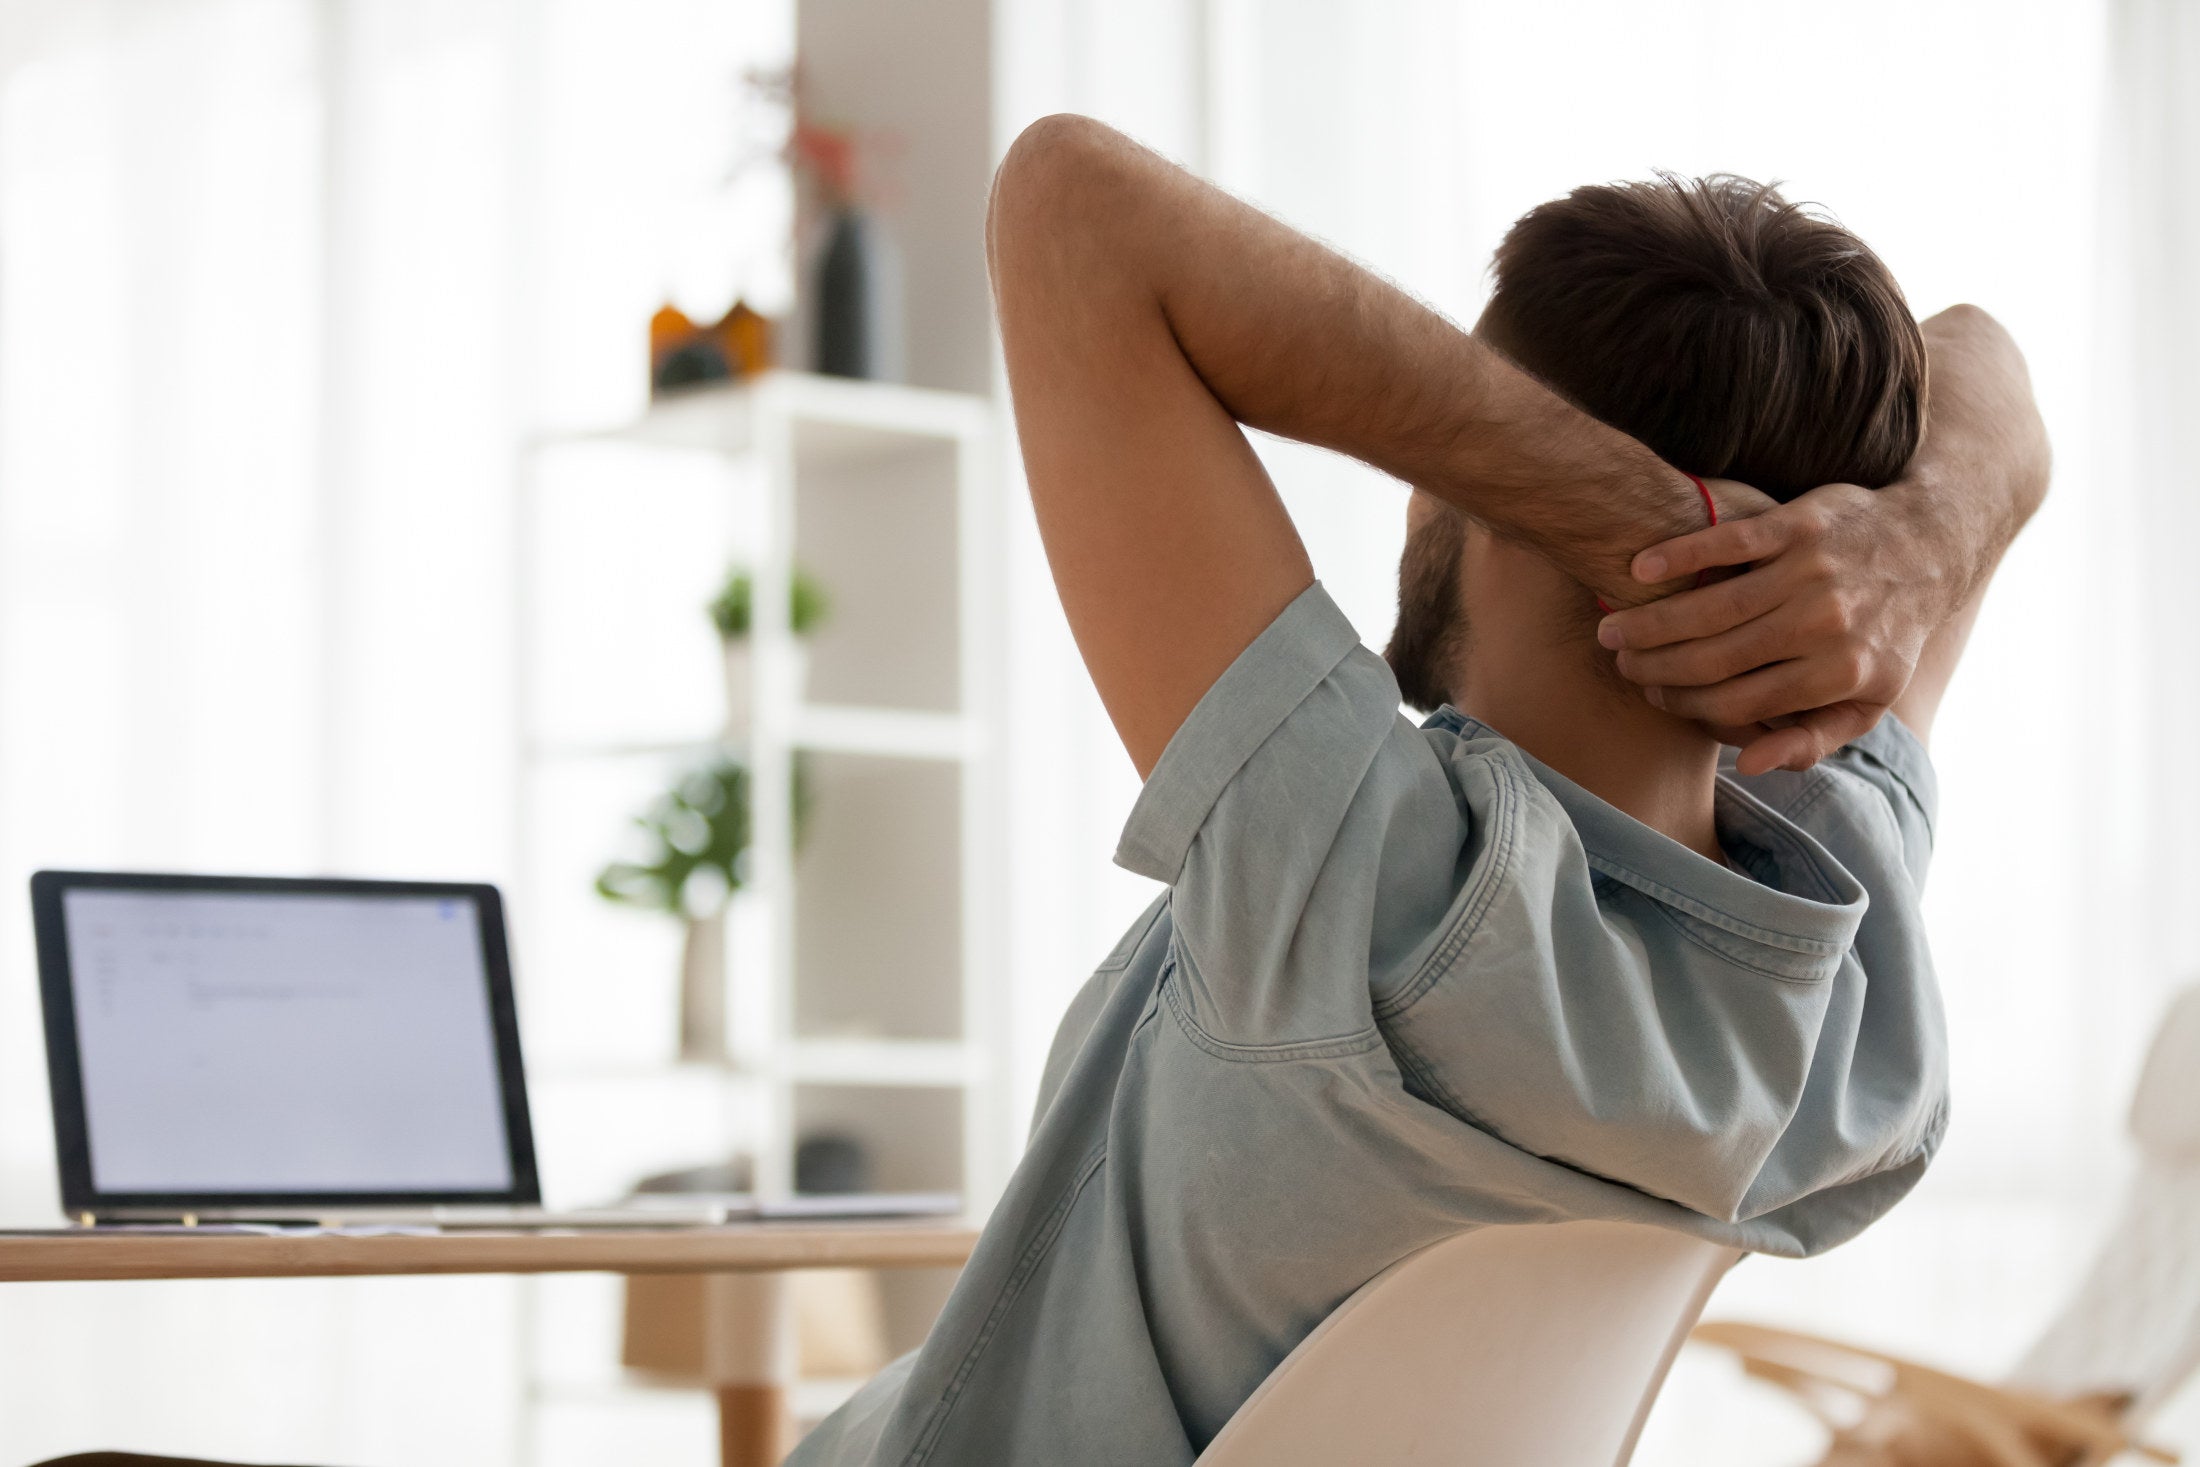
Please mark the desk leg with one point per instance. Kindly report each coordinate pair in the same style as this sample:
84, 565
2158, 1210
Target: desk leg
749, 1353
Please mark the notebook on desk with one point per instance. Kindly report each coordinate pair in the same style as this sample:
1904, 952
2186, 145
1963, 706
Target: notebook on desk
227, 1049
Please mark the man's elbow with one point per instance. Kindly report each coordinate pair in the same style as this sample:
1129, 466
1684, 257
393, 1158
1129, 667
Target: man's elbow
1966, 317
1048, 184
1974, 332
2030, 454
2001, 381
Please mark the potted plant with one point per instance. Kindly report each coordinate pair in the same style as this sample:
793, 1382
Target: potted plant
697, 836
807, 607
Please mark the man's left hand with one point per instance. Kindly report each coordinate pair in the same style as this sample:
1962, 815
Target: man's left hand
1800, 652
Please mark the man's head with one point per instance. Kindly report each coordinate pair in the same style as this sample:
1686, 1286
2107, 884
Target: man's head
1737, 335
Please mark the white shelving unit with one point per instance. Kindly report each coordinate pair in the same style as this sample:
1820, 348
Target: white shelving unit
861, 971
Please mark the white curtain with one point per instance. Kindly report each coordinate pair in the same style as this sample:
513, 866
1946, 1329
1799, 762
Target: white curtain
244, 551
283, 286
2133, 705
2138, 688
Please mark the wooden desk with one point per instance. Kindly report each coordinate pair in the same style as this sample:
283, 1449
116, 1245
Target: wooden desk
749, 1336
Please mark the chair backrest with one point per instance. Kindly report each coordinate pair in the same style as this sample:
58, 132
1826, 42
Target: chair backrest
1542, 1344
2133, 1326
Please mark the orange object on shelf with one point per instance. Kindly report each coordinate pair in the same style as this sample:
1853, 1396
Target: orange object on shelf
683, 354
746, 336
669, 330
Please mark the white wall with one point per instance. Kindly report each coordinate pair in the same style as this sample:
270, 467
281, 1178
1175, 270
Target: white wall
914, 82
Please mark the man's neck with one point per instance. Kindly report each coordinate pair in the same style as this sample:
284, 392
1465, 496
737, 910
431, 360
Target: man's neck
1659, 769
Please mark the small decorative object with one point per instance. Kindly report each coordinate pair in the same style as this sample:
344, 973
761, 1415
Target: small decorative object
828, 1162
698, 833
807, 607
683, 354
854, 285
857, 287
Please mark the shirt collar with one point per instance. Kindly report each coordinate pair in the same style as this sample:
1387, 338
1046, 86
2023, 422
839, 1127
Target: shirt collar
1797, 897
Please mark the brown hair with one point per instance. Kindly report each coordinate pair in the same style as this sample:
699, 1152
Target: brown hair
1736, 334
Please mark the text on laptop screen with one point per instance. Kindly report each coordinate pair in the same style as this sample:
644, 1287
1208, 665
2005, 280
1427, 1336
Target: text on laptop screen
285, 1043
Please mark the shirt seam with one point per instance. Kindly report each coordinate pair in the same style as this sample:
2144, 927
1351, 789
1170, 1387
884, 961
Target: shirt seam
1337, 1046
1673, 920
1012, 1288
1697, 907
1488, 882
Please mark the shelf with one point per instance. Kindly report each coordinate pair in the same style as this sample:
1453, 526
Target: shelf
555, 750
889, 733
834, 420
882, 1062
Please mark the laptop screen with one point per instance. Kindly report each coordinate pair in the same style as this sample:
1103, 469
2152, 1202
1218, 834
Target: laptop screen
292, 1040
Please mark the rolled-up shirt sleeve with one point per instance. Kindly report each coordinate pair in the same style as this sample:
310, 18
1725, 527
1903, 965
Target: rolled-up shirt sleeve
1296, 815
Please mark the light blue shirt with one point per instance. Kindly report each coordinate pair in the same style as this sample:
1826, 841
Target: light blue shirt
1407, 981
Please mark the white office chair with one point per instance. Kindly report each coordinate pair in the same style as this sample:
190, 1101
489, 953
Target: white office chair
1504, 1347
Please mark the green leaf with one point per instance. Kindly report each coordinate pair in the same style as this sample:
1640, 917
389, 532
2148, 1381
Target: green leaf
808, 604
700, 825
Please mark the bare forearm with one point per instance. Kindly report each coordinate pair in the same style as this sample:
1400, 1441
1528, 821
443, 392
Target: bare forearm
1294, 339
1983, 466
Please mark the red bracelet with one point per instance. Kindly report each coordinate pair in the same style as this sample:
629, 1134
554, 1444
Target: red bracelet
1711, 507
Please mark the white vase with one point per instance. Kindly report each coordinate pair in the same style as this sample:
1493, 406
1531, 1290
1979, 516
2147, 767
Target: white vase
703, 990
740, 689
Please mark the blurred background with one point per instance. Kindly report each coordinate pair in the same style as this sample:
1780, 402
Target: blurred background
415, 461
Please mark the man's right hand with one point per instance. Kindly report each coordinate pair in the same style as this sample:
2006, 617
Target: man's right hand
1802, 651
1852, 600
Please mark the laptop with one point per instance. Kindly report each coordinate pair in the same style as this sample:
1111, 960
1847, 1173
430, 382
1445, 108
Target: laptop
252, 1049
